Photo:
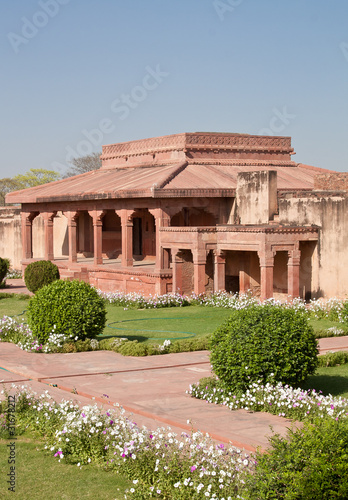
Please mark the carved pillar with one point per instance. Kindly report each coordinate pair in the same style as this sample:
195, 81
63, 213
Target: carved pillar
97, 216
162, 219
48, 218
294, 273
27, 237
244, 277
219, 270
177, 262
266, 273
127, 237
199, 262
72, 228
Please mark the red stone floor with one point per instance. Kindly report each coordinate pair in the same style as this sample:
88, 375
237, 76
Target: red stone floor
151, 389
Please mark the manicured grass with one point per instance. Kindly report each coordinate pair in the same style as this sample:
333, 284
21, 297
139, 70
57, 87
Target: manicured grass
39, 475
319, 325
330, 380
152, 325
144, 325
12, 304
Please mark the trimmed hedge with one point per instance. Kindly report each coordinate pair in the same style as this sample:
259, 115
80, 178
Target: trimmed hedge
40, 273
72, 308
268, 343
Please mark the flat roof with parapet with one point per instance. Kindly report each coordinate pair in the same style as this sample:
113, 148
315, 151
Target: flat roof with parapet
179, 165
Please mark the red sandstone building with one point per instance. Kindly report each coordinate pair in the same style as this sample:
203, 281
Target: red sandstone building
194, 212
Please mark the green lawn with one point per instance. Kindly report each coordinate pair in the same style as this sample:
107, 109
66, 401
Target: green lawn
39, 475
144, 325
320, 325
330, 380
152, 325
12, 305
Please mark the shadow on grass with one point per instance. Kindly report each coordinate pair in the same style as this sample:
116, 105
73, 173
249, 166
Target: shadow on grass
328, 384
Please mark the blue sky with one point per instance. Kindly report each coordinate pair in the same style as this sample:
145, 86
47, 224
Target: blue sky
77, 74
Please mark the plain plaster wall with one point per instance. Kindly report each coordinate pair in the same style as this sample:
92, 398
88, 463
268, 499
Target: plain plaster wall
330, 260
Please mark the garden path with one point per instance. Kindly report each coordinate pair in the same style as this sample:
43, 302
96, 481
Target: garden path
151, 389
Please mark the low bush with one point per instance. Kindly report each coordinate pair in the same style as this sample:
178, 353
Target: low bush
72, 308
4, 267
264, 343
134, 348
40, 273
309, 464
333, 358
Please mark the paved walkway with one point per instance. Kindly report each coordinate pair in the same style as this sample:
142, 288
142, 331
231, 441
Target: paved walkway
151, 388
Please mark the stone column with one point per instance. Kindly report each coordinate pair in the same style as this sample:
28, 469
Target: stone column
294, 273
199, 262
97, 216
48, 218
72, 228
244, 277
162, 219
219, 270
27, 225
266, 274
127, 237
177, 262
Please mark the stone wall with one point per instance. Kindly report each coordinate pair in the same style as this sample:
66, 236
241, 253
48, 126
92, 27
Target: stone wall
256, 196
335, 181
328, 263
10, 235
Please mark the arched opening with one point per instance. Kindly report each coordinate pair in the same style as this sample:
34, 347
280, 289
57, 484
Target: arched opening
242, 272
84, 237
144, 235
280, 274
111, 235
307, 249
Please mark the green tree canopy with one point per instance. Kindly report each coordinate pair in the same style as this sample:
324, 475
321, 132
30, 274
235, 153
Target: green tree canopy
6, 186
34, 177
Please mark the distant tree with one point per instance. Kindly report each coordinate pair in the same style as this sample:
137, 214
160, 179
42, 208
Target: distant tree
84, 164
6, 186
33, 177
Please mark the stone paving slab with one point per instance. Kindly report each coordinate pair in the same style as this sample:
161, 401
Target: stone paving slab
333, 344
155, 395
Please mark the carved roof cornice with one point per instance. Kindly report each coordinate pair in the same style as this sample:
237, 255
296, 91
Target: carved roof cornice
231, 228
199, 141
268, 229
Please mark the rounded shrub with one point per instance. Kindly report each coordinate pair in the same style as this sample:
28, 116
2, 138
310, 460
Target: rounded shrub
72, 308
4, 266
268, 343
309, 464
40, 273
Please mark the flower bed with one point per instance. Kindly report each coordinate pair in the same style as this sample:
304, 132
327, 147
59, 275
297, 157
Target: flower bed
278, 399
161, 464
